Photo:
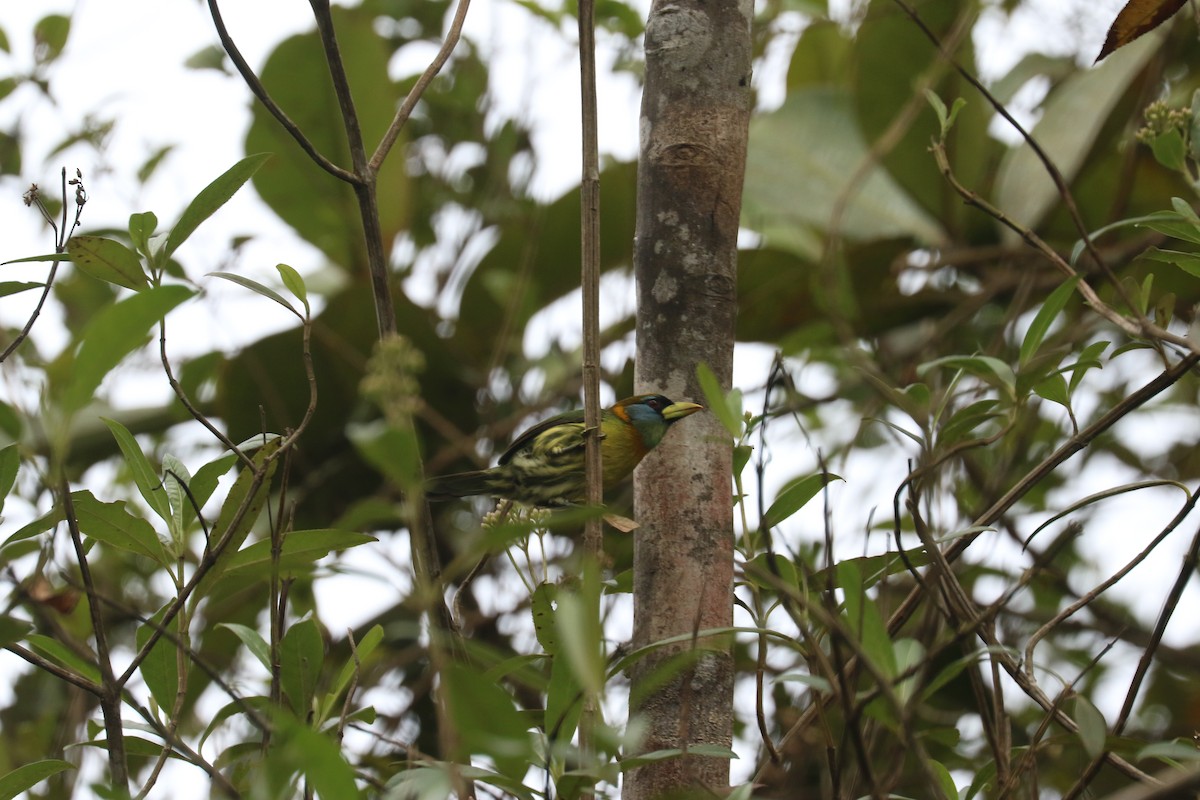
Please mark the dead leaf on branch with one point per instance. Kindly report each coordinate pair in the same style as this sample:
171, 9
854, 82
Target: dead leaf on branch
1136, 18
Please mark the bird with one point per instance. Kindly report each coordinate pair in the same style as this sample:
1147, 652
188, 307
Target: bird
544, 466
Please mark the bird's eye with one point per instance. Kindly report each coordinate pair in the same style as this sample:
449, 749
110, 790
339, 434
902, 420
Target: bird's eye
654, 403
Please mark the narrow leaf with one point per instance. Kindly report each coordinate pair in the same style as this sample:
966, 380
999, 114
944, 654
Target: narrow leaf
212, 197
294, 283
715, 398
10, 461
144, 476
16, 287
25, 778
301, 655
253, 640
794, 497
1045, 317
256, 287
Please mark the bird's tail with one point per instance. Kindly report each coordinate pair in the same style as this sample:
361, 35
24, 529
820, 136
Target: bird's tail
464, 484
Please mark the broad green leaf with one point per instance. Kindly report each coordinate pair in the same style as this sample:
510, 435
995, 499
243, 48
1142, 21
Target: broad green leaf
1169, 150
486, 720
10, 461
814, 141
945, 780
211, 197
300, 550
115, 526
1093, 730
144, 475
1054, 388
26, 777
909, 653
794, 497
160, 669
253, 640
1045, 317
1066, 131
108, 260
865, 620
50, 37
320, 759
141, 228
257, 288
301, 656
12, 629
204, 483
295, 284
116, 332
39, 525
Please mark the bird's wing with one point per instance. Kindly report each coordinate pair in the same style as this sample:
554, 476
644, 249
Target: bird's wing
572, 435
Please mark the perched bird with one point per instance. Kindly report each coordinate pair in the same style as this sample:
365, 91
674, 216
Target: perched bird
545, 465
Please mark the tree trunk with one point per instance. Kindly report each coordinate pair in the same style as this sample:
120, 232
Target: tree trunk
694, 127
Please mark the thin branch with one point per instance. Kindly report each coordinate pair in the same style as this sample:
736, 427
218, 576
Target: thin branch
418, 89
260, 91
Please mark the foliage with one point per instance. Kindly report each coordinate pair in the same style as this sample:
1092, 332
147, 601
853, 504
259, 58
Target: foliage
987, 342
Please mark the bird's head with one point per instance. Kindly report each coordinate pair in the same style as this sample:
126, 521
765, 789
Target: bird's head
652, 414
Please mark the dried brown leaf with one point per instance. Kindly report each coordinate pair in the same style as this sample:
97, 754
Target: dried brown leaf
1136, 18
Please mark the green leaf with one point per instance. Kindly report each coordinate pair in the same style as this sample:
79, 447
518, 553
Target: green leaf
160, 669
718, 402
253, 640
794, 497
212, 197
108, 260
564, 700
50, 37
301, 655
1045, 317
141, 228
239, 495
24, 778
945, 118
1169, 149
112, 524
10, 462
320, 759
1093, 730
145, 477
864, 618
1054, 389
16, 287
990, 369
256, 287
175, 477
363, 649
1022, 186
945, 780
46, 257
300, 550
295, 285
61, 654
767, 570
12, 629
541, 607
486, 720
116, 332
1188, 262
204, 483
579, 634
814, 141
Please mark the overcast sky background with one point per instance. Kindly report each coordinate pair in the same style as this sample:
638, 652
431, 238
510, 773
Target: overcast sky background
129, 64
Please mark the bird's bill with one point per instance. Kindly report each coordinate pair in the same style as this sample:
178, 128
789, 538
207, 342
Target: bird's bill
680, 410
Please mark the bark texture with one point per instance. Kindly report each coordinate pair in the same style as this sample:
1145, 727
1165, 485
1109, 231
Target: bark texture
694, 127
